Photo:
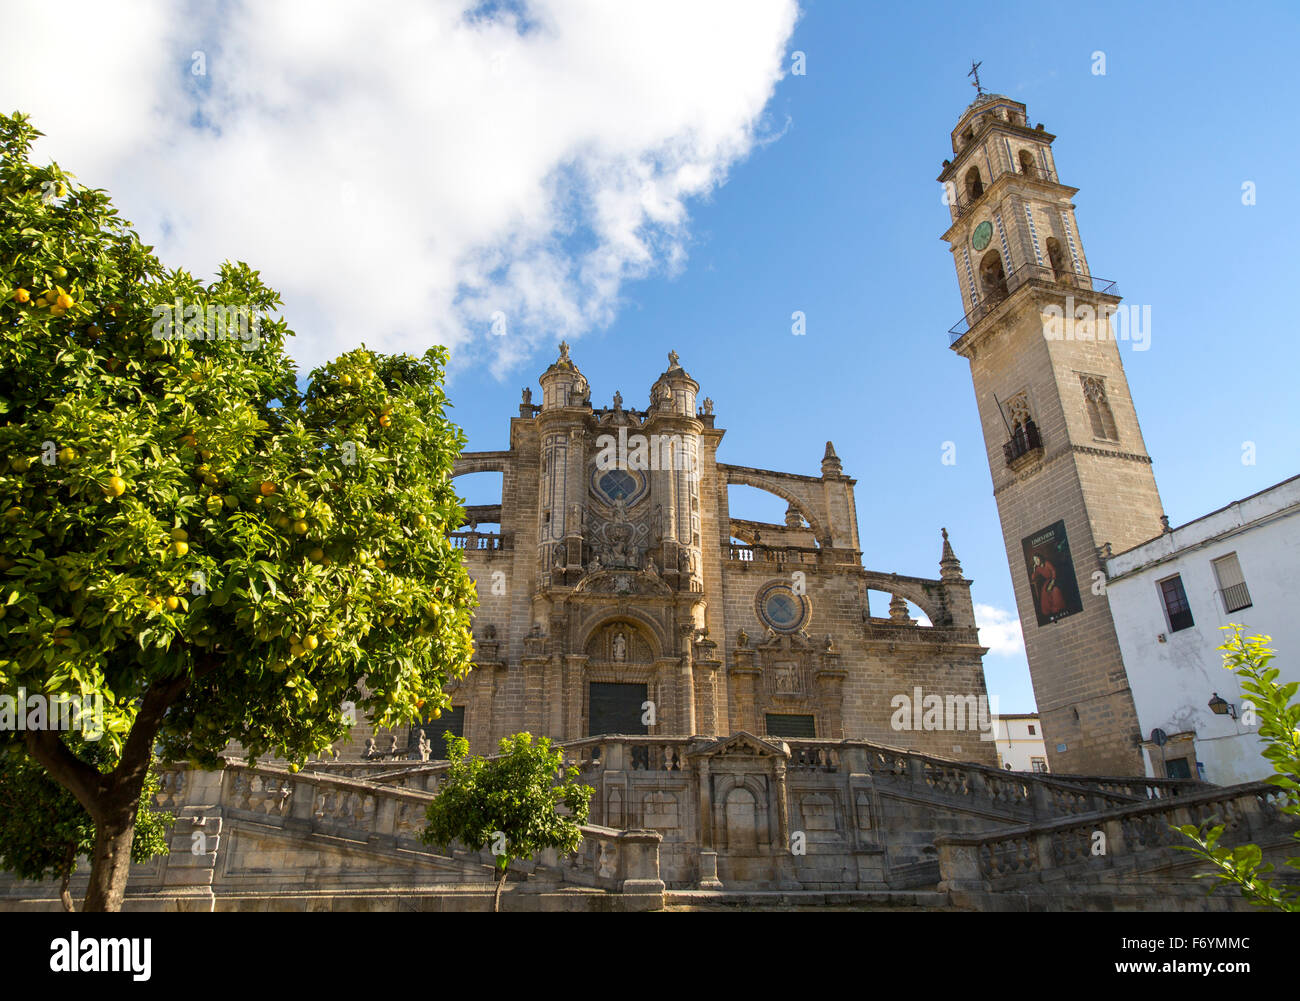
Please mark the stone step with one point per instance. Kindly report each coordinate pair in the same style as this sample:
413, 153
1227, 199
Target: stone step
796, 899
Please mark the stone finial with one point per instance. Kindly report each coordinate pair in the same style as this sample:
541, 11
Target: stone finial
564, 351
1165, 527
898, 609
793, 519
831, 465
949, 568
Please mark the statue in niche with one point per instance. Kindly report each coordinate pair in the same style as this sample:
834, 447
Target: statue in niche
489, 631
559, 555
787, 679
828, 644
594, 565
650, 567
620, 648
742, 639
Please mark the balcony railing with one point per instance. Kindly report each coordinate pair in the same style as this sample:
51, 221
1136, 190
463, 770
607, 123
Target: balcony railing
479, 540
771, 554
965, 201
1236, 597
1018, 277
1023, 441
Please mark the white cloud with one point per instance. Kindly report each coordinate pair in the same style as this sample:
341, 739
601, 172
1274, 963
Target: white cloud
398, 170
999, 630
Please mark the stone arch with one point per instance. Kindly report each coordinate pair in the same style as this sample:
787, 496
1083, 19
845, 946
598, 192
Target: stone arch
645, 626
927, 599
480, 462
749, 478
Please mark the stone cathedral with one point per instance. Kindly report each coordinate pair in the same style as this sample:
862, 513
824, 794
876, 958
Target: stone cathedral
618, 595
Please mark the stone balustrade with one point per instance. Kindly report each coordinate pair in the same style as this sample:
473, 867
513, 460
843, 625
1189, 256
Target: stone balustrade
1104, 848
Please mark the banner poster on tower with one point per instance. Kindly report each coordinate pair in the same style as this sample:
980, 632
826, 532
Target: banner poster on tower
1051, 574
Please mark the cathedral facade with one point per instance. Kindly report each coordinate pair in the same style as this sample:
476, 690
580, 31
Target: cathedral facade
618, 595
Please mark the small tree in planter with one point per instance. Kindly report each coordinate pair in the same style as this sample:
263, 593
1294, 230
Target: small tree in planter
508, 804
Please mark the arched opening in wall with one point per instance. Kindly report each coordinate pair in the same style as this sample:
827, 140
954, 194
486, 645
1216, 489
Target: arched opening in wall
1027, 165
479, 488
974, 184
881, 605
762, 518
993, 279
1056, 257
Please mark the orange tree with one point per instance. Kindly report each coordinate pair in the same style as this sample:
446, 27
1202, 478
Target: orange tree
187, 537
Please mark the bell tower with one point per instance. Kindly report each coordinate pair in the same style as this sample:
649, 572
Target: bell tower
1071, 473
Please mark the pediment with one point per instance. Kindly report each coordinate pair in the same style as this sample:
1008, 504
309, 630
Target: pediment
741, 744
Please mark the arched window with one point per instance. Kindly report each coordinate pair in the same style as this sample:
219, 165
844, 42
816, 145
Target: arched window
1027, 164
974, 185
1099, 413
992, 277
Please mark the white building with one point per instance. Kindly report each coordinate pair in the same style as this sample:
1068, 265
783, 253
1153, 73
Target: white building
1168, 598
1020, 742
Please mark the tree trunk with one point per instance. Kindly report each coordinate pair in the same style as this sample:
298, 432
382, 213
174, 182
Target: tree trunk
69, 860
496, 900
110, 861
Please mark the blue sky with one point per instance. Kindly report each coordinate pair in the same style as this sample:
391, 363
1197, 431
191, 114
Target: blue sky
840, 217
649, 175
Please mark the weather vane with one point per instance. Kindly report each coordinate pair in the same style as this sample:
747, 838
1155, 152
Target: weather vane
975, 72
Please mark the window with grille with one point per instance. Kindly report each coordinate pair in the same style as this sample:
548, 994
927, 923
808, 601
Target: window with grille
1038, 764
1032, 731
1177, 609
1232, 585
782, 725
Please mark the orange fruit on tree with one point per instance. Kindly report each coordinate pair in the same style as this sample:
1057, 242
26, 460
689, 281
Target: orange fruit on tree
22, 295
267, 488
116, 486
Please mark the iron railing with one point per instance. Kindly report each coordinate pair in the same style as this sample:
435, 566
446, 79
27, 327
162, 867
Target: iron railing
1236, 597
1018, 277
1023, 441
965, 201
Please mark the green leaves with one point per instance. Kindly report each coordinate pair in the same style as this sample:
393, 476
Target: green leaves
1279, 725
509, 800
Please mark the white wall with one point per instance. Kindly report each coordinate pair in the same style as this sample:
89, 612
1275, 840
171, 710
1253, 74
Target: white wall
1173, 681
1016, 745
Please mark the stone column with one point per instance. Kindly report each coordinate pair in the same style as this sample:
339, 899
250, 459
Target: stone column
686, 680
785, 861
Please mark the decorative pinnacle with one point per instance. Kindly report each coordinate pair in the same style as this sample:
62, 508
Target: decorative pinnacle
831, 465
949, 567
975, 72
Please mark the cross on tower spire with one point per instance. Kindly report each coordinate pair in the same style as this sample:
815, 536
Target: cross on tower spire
975, 72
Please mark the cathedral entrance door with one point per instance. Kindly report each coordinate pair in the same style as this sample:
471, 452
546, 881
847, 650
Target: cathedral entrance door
615, 708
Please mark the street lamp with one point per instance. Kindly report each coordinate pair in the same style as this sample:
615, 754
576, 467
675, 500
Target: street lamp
1222, 708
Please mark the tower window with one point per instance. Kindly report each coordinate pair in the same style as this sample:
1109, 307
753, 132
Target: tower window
974, 184
993, 277
1232, 585
1057, 259
1177, 610
1099, 412
1027, 166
